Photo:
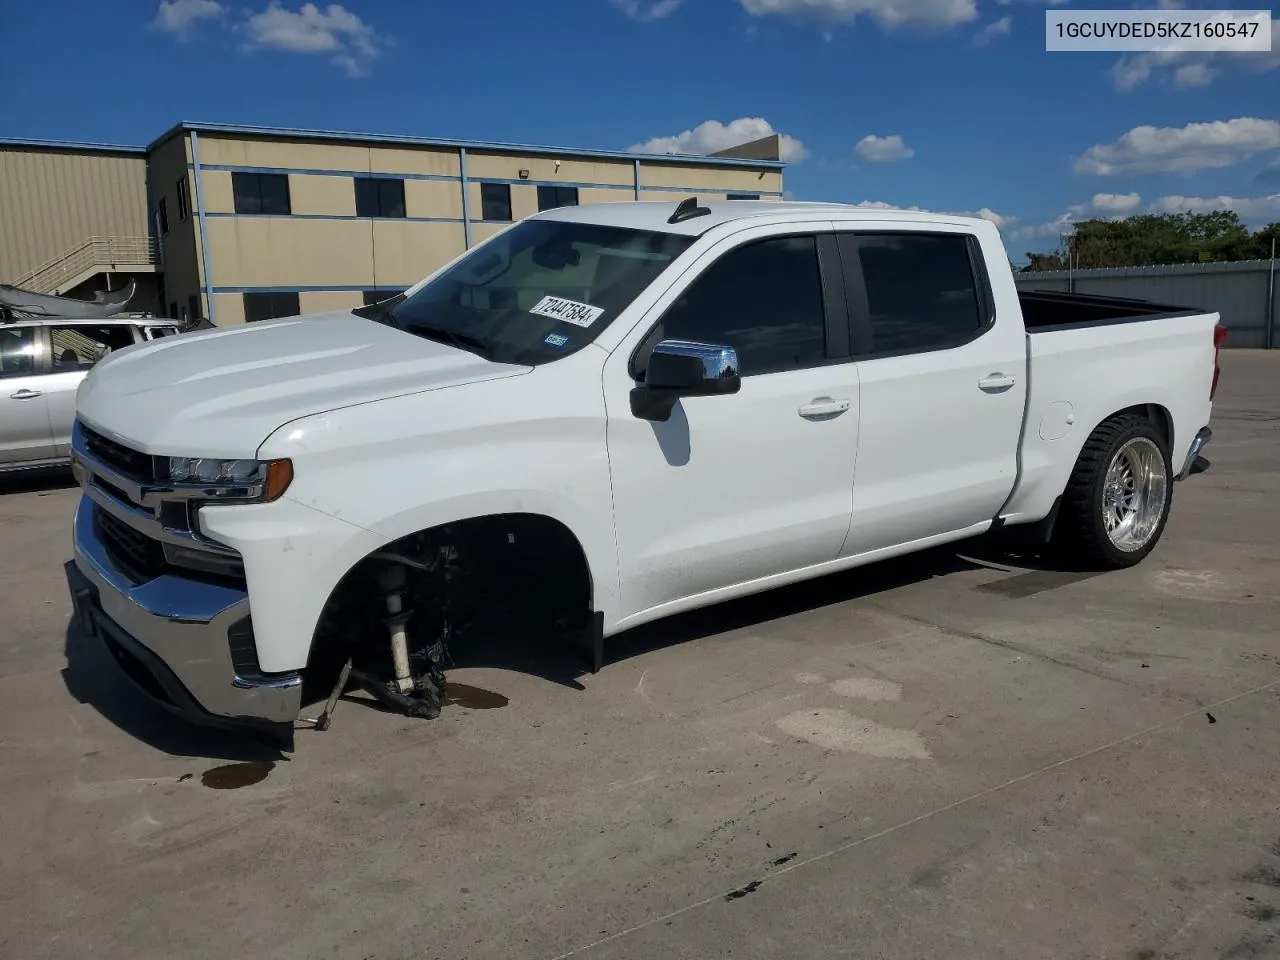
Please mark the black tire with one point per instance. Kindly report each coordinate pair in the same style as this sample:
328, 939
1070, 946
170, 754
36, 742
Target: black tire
1080, 533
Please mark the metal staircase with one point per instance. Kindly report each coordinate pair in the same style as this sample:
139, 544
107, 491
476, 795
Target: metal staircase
95, 255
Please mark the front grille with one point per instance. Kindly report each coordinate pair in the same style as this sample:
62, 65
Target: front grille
132, 463
134, 552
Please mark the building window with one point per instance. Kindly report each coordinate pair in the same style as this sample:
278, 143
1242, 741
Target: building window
377, 296
266, 193
744, 196
184, 202
162, 217
378, 197
173, 309
194, 302
269, 306
495, 201
551, 197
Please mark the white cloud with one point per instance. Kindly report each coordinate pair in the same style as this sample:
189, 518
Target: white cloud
1111, 203
1103, 206
1254, 211
1193, 68
1197, 146
1194, 75
883, 149
354, 45
997, 28
711, 136
647, 11
890, 14
986, 213
177, 16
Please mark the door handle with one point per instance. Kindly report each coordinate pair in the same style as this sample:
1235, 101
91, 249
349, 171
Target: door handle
996, 383
25, 394
823, 408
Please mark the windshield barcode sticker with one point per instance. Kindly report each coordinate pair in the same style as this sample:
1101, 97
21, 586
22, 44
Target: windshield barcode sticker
570, 311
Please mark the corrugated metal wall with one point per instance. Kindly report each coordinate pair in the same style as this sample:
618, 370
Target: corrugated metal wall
1238, 291
52, 200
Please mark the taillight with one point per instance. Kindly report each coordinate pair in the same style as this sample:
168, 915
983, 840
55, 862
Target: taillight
1219, 338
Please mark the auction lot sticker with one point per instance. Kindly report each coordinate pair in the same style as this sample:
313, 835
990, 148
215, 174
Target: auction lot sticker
570, 311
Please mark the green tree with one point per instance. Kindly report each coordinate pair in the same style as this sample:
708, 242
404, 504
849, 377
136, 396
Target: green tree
1152, 239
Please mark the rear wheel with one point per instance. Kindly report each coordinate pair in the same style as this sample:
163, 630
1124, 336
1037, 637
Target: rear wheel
1117, 501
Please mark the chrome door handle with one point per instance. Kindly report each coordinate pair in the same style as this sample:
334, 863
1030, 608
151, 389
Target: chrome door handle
25, 394
996, 383
823, 408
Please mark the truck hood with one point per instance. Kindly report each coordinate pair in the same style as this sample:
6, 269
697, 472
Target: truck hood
220, 393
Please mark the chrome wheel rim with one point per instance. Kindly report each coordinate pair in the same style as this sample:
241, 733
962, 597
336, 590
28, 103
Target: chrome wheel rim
1133, 494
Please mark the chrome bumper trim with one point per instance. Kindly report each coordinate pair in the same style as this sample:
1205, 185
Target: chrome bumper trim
1202, 438
184, 623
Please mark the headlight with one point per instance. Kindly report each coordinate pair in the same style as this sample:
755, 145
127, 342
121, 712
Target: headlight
233, 479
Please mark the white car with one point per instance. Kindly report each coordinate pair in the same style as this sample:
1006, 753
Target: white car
42, 362
599, 417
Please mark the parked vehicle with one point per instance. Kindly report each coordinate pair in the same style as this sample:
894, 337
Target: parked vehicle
42, 361
602, 416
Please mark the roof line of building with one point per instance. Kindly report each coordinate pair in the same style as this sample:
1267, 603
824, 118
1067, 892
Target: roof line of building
495, 146
72, 145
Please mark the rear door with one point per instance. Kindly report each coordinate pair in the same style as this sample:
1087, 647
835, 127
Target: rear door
943, 385
24, 417
73, 349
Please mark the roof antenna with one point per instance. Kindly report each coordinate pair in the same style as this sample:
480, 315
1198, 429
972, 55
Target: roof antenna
687, 210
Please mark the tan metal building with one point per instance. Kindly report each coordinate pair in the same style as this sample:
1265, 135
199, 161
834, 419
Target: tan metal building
247, 223
73, 219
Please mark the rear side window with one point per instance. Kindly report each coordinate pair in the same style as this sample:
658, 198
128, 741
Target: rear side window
764, 299
81, 346
921, 292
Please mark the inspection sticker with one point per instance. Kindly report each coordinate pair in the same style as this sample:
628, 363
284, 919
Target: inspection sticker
556, 339
570, 311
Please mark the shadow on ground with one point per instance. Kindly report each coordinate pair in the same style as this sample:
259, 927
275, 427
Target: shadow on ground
93, 678
40, 482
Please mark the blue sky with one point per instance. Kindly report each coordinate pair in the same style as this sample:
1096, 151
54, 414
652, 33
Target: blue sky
944, 104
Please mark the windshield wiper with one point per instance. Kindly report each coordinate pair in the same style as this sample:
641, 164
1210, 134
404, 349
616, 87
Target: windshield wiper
463, 341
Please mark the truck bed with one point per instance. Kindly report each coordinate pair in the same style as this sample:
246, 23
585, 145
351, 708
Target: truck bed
1050, 310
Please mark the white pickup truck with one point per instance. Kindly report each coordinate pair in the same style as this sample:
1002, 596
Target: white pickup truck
599, 417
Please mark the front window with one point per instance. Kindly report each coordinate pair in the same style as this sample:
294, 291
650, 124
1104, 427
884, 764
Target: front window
538, 291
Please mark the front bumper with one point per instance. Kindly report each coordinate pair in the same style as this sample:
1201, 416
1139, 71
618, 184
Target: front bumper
174, 637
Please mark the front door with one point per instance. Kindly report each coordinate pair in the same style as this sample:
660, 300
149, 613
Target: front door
24, 408
736, 488
943, 387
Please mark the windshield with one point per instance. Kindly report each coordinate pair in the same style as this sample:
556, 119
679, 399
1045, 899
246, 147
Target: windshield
537, 292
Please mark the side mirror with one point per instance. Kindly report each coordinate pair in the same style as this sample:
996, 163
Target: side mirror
681, 368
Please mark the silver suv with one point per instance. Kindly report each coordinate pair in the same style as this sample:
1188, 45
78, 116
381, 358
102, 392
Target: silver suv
42, 362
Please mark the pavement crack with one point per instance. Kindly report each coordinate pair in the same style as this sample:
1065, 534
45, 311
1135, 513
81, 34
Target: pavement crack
1009, 645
